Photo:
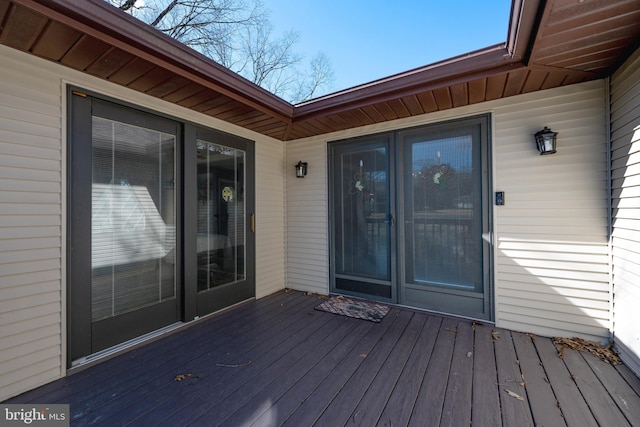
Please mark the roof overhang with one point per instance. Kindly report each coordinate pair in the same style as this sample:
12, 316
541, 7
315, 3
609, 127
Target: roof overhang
549, 44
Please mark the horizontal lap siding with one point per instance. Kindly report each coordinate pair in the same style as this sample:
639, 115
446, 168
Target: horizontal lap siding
269, 218
551, 254
307, 216
625, 164
31, 211
552, 271
31, 222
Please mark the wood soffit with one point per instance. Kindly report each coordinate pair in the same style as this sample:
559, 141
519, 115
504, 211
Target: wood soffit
550, 44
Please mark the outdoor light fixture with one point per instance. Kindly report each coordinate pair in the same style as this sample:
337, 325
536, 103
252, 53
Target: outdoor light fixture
301, 169
546, 141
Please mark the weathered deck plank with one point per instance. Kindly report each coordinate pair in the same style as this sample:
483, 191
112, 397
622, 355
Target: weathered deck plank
621, 393
277, 361
513, 396
485, 398
573, 406
456, 410
428, 405
542, 399
400, 404
598, 399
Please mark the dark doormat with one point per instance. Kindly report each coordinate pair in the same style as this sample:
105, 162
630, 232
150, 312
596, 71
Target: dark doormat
354, 308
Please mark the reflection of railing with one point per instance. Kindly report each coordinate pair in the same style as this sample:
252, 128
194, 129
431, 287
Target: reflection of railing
443, 246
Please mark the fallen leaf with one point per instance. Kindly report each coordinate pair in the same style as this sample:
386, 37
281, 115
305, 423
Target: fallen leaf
322, 296
182, 377
451, 330
363, 355
469, 354
512, 394
605, 352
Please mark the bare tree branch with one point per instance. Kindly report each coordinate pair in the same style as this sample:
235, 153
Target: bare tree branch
239, 36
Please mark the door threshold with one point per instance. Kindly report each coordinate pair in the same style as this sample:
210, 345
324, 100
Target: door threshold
107, 353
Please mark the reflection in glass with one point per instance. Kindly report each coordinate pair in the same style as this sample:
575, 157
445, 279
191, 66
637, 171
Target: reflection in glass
221, 215
132, 217
362, 226
443, 193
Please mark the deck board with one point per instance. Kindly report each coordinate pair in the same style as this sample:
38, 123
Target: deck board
428, 405
277, 361
513, 395
456, 409
542, 399
400, 404
485, 398
598, 399
573, 406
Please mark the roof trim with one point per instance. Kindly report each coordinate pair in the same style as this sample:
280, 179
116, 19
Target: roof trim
127, 33
471, 65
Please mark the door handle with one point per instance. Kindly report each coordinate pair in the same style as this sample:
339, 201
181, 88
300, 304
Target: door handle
252, 222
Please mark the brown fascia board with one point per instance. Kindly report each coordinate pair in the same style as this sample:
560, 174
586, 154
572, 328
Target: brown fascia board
513, 54
482, 63
99, 19
524, 20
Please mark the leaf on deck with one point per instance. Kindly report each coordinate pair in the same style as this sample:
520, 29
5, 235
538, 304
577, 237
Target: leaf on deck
605, 353
515, 395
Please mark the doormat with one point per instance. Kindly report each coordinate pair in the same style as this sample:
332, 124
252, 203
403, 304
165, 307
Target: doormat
343, 306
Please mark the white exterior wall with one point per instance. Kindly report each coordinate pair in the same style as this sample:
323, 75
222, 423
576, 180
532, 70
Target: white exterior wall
31, 227
625, 238
551, 249
33, 204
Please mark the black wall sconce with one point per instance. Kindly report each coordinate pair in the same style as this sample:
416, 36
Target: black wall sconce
301, 169
546, 141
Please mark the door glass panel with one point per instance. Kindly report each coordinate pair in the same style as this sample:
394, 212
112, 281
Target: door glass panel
221, 215
133, 230
442, 210
362, 237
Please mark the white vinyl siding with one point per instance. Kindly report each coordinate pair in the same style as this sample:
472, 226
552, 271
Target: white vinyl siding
307, 232
31, 222
625, 239
552, 267
551, 248
32, 209
269, 220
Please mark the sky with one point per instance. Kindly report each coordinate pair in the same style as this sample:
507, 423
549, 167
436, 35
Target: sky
369, 40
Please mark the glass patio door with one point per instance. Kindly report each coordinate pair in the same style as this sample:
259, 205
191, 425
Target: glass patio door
445, 213
123, 259
221, 217
408, 215
362, 219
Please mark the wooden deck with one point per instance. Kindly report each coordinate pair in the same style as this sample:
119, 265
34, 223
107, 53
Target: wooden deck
277, 361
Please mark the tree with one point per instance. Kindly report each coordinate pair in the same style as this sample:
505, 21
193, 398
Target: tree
239, 36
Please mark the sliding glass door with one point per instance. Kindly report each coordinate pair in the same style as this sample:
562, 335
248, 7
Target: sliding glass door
432, 199
445, 210
362, 218
161, 223
220, 215
123, 263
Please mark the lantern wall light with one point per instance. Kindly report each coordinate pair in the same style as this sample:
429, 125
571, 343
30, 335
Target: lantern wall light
301, 169
546, 141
